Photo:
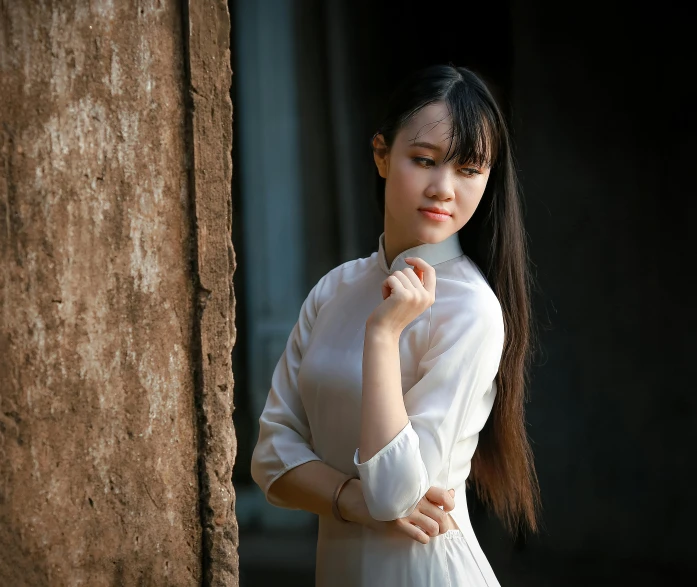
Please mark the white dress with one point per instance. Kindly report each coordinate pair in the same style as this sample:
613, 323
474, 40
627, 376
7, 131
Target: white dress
449, 357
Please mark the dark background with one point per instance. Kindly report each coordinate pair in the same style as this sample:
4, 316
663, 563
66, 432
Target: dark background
600, 98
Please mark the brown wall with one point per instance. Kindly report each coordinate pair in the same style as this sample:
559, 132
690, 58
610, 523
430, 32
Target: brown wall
100, 335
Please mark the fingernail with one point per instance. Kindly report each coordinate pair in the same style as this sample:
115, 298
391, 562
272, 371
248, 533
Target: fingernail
451, 492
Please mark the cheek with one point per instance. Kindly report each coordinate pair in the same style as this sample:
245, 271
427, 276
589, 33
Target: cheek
403, 174
468, 199
404, 184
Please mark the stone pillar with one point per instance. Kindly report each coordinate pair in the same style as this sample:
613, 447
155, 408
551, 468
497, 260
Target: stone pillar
116, 308
210, 140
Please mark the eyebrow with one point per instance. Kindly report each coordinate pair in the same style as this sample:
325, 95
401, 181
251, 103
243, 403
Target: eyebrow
426, 145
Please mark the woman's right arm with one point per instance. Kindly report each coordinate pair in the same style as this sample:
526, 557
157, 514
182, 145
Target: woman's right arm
284, 463
285, 438
308, 487
311, 486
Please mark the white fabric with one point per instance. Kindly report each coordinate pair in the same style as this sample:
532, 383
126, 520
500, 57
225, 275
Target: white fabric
449, 357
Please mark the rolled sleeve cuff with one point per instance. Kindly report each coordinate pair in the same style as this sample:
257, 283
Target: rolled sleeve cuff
392, 479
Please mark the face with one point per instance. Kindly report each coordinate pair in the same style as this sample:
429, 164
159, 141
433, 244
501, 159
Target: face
426, 199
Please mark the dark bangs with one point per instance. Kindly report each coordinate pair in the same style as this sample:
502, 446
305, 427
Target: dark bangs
475, 136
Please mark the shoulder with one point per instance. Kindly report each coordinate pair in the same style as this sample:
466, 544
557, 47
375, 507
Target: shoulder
464, 297
461, 280
341, 275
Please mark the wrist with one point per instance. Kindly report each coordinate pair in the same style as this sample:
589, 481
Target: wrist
379, 333
348, 499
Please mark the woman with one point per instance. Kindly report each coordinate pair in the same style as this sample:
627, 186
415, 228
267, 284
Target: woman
403, 362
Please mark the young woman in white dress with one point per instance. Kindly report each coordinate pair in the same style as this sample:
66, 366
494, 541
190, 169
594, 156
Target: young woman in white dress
403, 363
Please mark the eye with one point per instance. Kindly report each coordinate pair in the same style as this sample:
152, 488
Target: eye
423, 161
469, 171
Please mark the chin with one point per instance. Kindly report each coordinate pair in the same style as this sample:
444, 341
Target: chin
433, 234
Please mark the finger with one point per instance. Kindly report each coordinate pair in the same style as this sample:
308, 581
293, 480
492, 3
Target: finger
440, 496
404, 526
429, 273
436, 515
425, 522
404, 280
390, 284
414, 278
417, 272
394, 281
386, 290
419, 535
452, 494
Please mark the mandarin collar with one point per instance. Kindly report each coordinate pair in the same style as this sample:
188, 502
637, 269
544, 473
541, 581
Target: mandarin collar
433, 254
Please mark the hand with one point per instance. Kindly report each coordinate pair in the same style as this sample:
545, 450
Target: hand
426, 521
405, 295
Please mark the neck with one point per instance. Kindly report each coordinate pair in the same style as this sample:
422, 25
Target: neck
392, 249
395, 243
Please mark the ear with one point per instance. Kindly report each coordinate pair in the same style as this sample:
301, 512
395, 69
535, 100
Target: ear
381, 155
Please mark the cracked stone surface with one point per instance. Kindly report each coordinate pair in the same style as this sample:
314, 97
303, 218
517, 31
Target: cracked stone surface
103, 251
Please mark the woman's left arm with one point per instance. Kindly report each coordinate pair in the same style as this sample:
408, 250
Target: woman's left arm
406, 439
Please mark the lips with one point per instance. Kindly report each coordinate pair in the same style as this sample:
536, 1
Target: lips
437, 214
435, 210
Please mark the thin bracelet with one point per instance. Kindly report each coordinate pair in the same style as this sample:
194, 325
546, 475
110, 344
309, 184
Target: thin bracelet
335, 499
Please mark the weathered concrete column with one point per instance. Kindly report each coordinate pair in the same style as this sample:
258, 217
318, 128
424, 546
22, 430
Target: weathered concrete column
210, 129
116, 308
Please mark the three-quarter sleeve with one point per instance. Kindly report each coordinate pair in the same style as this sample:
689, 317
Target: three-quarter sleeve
284, 432
454, 376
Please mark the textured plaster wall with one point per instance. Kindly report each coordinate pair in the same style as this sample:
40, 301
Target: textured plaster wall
99, 472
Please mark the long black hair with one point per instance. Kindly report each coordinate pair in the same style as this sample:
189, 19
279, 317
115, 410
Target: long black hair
503, 470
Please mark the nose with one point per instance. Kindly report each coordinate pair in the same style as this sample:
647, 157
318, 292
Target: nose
442, 184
